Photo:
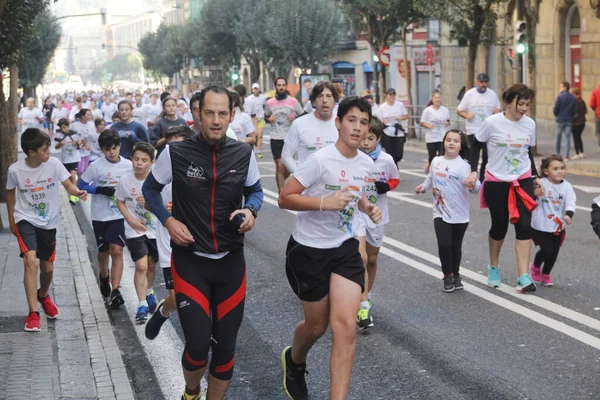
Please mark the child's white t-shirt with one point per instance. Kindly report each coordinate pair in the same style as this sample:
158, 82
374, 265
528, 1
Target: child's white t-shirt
129, 189
69, 151
105, 173
30, 117
553, 206
163, 238
385, 169
36, 192
242, 125
438, 118
57, 114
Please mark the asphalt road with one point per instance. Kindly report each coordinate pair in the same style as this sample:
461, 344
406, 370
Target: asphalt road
480, 343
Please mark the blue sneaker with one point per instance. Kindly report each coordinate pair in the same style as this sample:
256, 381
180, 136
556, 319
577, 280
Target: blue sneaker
494, 277
151, 299
525, 284
141, 316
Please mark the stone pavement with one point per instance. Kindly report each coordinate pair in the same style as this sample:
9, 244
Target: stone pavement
75, 356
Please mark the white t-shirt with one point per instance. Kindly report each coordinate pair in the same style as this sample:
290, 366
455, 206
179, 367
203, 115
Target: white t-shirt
139, 115
84, 131
69, 152
97, 113
163, 238
450, 195
57, 114
242, 125
73, 113
105, 173
152, 111
95, 151
323, 174
480, 104
307, 135
385, 169
108, 110
255, 104
508, 143
30, 117
129, 189
37, 197
438, 118
393, 113
553, 206
597, 201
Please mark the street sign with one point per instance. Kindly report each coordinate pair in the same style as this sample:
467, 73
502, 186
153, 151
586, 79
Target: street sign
384, 56
429, 54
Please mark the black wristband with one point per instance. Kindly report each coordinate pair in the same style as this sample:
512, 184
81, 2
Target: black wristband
252, 210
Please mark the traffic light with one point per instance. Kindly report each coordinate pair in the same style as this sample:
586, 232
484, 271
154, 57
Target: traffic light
235, 75
103, 15
103, 47
520, 37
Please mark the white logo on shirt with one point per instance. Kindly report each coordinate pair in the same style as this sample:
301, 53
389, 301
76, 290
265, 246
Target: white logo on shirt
184, 303
195, 172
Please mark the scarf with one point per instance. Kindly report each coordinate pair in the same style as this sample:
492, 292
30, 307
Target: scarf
375, 153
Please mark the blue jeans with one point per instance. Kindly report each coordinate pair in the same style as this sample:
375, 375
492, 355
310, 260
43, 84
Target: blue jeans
563, 127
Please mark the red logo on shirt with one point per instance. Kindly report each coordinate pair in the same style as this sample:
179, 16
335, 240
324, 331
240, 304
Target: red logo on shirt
133, 190
318, 139
49, 180
28, 180
343, 173
508, 135
108, 174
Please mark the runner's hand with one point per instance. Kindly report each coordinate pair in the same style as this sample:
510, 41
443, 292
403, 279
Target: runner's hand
470, 116
82, 194
248, 223
374, 213
291, 116
138, 225
470, 183
420, 189
338, 201
538, 188
567, 219
179, 232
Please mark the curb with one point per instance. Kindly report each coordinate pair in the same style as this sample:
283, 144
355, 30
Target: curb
109, 370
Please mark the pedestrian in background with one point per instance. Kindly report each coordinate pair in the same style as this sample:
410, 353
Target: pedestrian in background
594, 104
564, 108
435, 119
578, 122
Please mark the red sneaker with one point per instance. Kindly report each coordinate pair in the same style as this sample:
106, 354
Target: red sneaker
32, 322
49, 307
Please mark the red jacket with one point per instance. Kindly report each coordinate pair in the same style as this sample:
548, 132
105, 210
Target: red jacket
595, 101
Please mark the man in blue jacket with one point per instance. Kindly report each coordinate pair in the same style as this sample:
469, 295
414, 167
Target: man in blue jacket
563, 111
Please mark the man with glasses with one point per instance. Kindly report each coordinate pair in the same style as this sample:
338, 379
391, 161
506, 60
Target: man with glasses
392, 113
477, 104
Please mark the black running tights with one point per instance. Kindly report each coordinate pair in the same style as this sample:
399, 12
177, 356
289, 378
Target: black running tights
450, 238
434, 149
548, 253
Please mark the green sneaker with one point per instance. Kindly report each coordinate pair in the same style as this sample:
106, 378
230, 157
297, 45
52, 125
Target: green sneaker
364, 320
494, 276
525, 284
73, 199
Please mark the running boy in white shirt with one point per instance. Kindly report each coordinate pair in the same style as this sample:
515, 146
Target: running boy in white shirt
386, 179
324, 265
140, 228
69, 142
100, 179
168, 305
34, 215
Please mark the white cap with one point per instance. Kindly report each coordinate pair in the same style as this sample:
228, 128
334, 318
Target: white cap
255, 86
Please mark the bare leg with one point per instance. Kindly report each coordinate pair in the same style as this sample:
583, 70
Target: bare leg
103, 263
192, 378
46, 272
523, 250
170, 305
372, 253
316, 321
344, 299
495, 247
259, 137
216, 388
116, 253
30, 279
280, 172
140, 279
151, 272
362, 248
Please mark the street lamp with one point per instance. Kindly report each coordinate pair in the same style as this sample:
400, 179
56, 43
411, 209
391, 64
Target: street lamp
376, 78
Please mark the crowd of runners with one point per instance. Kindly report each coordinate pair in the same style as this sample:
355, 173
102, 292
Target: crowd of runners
175, 179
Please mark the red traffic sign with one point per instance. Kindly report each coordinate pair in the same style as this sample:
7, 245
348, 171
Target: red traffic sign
429, 54
384, 56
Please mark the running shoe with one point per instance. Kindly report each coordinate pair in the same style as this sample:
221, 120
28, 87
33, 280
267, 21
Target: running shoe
186, 396
547, 280
32, 322
105, 286
494, 277
116, 300
73, 199
259, 155
141, 316
294, 383
49, 307
364, 320
448, 283
458, 282
536, 273
155, 322
370, 304
525, 284
151, 299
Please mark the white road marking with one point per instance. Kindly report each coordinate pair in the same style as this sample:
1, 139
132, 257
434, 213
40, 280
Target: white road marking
486, 295
413, 173
588, 189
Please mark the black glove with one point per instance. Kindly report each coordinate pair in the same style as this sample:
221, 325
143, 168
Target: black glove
105, 190
382, 187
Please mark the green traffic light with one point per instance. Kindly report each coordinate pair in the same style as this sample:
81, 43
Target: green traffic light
521, 48
235, 76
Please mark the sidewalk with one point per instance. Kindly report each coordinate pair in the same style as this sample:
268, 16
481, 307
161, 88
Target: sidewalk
75, 356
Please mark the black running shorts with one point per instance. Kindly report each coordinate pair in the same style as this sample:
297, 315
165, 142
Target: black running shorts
309, 269
71, 166
32, 238
142, 246
108, 232
276, 148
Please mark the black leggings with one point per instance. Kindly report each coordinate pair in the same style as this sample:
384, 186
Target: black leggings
450, 238
577, 132
434, 149
549, 246
484, 156
394, 146
496, 197
210, 295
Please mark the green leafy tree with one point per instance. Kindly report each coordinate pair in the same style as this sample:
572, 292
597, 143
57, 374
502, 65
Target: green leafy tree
124, 66
38, 52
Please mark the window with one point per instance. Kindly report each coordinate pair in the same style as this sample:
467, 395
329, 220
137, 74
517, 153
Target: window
433, 29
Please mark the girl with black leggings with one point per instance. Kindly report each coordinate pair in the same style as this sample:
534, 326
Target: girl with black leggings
510, 180
450, 186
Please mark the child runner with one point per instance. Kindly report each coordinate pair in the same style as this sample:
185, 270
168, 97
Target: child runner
95, 152
33, 204
387, 179
100, 179
168, 305
69, 142
140, 228
555, 210
84, 126
129, 131
324, 266
450, 186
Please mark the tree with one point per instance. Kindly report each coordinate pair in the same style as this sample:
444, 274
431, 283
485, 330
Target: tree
124, 66
37, 53
472, 22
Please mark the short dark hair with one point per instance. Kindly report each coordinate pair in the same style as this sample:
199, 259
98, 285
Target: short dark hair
116, 115
99, 121
144, 147
566, 85
82, 113
163, 95
62, 122
195, 98
376, 126
108, 139
215, 89
546, 161
33, 139
241, 90
278, 78
368, 97
128, 94
125, 102
353, 101
237, 101
167, 98
320, 87
179, 131
518, 91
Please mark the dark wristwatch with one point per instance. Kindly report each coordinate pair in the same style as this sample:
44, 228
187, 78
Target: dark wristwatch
252, 210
